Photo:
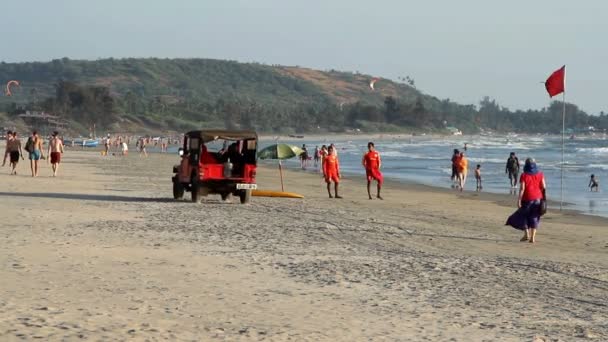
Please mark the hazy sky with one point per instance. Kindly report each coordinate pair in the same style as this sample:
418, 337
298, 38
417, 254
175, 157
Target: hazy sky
460, 50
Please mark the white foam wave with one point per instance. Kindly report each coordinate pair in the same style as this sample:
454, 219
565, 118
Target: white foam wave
594, 150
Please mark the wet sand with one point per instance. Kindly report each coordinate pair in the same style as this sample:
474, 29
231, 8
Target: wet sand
103, 252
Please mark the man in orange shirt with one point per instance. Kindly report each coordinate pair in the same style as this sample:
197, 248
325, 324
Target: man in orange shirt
372, 163
463, 168
331, 170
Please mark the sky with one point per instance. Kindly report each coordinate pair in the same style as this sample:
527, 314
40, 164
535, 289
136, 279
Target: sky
461, 50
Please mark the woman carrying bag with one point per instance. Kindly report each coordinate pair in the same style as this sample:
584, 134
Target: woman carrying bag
531, 202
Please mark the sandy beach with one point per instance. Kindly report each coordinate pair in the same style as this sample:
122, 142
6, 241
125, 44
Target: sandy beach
103, 252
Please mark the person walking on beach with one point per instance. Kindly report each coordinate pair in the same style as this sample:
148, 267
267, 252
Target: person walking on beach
455, 160
372, 163
34, 147
13, 151
124, 148
142, 147
55, 151
512, 169
462, 167
594, 183
322, 155
331, 171
304, 157
106, 144
316, 156
478, 177
532, 189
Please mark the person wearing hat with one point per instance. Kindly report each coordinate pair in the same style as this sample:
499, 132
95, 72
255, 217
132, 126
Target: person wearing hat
55, 151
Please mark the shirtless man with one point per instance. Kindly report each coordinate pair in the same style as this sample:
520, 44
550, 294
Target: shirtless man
35, 153
13, 151
55, 151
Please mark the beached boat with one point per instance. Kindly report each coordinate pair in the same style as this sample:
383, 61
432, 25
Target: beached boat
81, 142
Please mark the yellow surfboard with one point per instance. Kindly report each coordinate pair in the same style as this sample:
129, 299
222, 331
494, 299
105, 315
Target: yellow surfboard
270, 193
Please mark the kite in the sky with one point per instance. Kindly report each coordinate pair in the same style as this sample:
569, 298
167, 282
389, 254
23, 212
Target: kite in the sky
372, 82
8, 87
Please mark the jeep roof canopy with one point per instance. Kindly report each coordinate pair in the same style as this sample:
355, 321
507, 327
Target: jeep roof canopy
212, 135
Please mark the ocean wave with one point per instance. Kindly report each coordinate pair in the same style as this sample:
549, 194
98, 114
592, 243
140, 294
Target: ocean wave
487, 160
593, 150
598, 166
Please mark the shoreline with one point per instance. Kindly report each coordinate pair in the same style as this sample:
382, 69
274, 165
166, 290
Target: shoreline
503, 200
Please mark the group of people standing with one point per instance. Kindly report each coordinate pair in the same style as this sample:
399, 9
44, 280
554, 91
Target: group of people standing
327, 159
34, 148
531, 200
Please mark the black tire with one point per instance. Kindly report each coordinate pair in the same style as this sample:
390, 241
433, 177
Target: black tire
225, 196
178, 190
245, 196
195, 191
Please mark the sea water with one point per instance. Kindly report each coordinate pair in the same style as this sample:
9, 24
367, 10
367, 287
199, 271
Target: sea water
427, 160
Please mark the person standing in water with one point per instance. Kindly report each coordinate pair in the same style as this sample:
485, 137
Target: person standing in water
372, 163
478, 177
331, 171
55, 151
512, 169
594, 184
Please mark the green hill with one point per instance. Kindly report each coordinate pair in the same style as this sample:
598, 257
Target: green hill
136, 95
174, 93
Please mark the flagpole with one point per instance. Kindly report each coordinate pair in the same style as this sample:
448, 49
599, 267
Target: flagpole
561, 186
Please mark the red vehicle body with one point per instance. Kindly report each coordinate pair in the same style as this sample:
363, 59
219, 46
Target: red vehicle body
230, 171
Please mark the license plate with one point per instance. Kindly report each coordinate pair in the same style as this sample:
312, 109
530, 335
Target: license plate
242, 186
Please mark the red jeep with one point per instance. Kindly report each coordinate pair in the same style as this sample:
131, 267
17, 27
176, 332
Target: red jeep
216, 162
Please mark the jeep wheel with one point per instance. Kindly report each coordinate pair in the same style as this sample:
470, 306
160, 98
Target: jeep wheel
245, 196
195, 191
178, 190
226, 196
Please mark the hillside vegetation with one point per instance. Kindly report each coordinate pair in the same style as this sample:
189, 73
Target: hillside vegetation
136, 95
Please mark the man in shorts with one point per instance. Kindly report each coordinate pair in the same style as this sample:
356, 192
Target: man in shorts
35, 152
512, 168
372, 163
55, 151
331, 171
13, 151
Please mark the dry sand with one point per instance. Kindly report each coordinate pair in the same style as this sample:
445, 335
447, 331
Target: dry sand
103, 253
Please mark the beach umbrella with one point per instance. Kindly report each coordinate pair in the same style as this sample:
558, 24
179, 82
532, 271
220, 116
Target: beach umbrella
280, 152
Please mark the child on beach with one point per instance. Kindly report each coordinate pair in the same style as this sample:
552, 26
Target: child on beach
594, 183
478, 177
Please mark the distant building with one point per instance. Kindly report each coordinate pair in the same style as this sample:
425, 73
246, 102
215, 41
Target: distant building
454, 130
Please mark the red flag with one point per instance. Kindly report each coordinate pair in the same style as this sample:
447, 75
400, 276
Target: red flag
555, 82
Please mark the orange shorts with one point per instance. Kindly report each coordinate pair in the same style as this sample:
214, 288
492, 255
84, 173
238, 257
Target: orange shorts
374, 174
332, 177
